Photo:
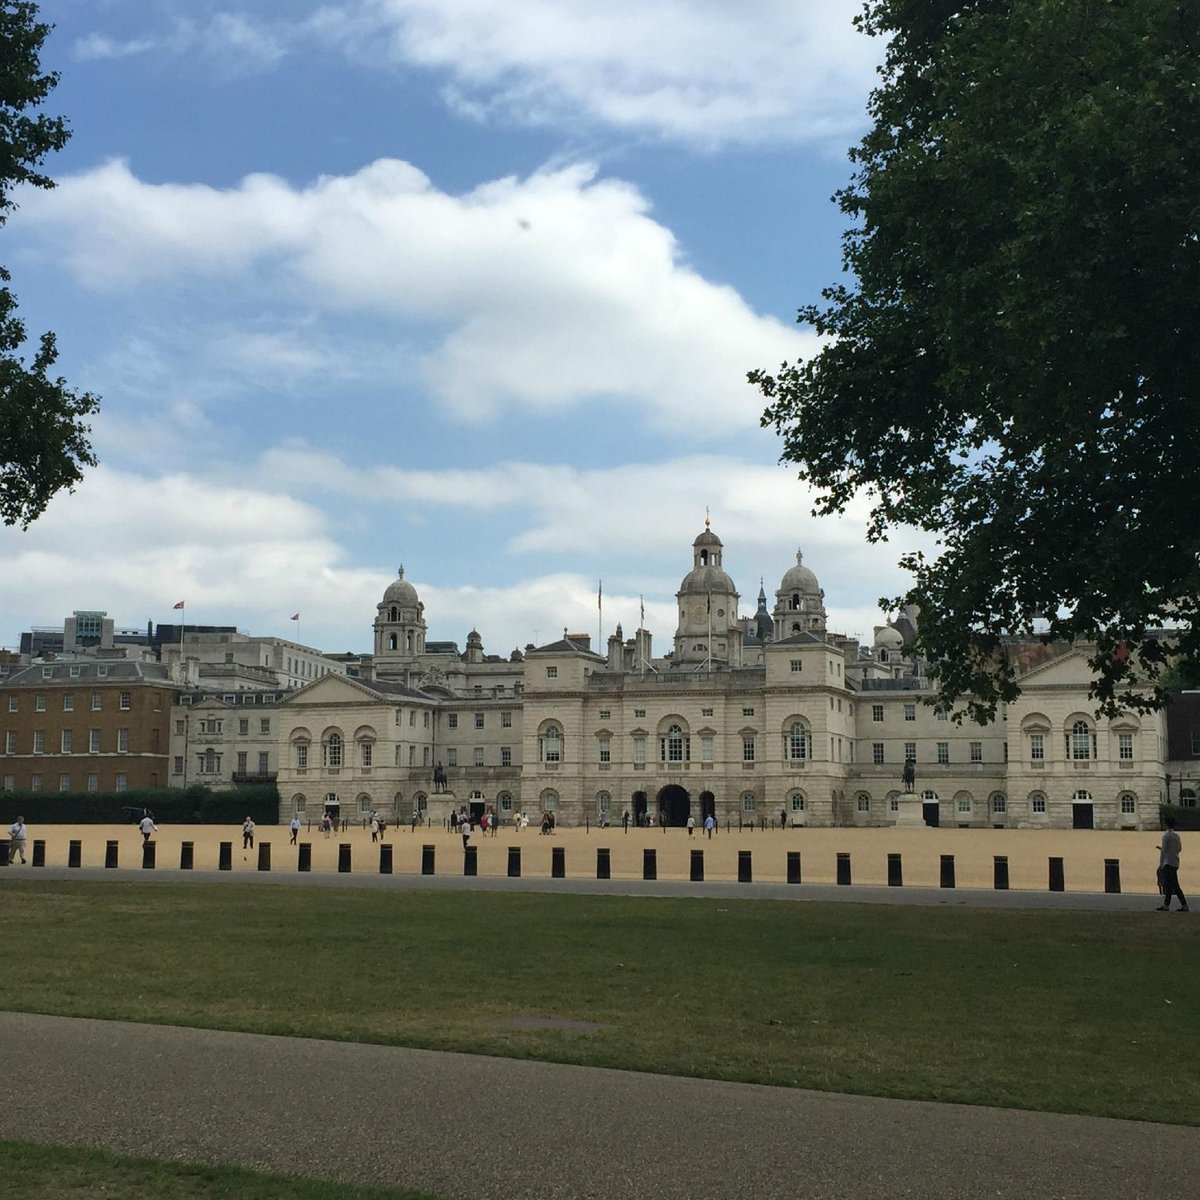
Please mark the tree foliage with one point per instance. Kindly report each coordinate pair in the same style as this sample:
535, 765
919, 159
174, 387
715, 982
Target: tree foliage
1014, 360
43, 439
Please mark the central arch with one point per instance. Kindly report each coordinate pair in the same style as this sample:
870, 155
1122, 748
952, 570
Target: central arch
674, 804
708, 806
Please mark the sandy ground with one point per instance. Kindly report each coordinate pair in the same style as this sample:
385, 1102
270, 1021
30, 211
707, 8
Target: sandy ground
1028, 852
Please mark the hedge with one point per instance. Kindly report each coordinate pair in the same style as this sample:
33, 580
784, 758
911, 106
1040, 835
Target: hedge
181, 806
1185, 818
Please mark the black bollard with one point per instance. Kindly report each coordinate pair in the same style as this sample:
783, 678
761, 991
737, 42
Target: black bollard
225, 856
4, 854
895, 871
603, 864
110, 854
558, 863
74, 854
187, 856
343, 858
514, 862
39, 852
385, 858
649, 864
427, 853
1000, 872
745, 872
304, 856
1057, 880
793, 866
264, 856
697, 875
470, 860
1112, 875
148, 856
843, 869
947, 871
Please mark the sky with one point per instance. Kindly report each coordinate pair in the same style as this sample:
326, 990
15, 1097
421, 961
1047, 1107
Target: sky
467, 287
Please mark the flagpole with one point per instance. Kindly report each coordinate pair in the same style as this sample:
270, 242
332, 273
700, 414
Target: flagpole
600, 614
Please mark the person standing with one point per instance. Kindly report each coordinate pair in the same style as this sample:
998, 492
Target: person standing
783, 818
709, 824
691, 824
374, 828
248, 834
1168, 868
17, 834
147, 826
295, 828
464, 827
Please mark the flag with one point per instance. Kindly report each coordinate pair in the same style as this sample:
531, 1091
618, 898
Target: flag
179, 605
642, 600
600, 595
294, 617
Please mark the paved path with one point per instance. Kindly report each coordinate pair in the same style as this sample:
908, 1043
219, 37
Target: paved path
541, 1131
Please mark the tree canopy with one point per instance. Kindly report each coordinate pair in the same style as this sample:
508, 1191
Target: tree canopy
43, 439
1013, 359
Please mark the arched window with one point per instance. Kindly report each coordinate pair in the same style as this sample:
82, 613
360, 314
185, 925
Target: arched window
299, 802
391, 641
797, 742
603, 802
1037, 803
549, 800
1081, 797
1187, 798
422, 802
392, 613
749, 803
550, 744
999, 803
1081, 742
1129, 804
929, 796
364, 803
863, 802
331, 750
504, 802
674, 745
797, 603
409, 643
796, 802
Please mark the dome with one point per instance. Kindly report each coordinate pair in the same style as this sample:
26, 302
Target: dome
886, 636
799, 578
707, 579
707, 538
401, 592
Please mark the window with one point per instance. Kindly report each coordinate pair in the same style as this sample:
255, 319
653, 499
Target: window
452, 720
876, 712
66, 741
1125, 747
179, 726
910, 712
68, 701
126, 701
93, 782
301, 749
797, 802
506, 756
364, 803
332, 750
747, 712
479, 720
748, 747
300, 803
264, 725
241, 762
707, 747
1079, 742
10, 783
943, 752
910, 751
35, 783
749, 804
605, 714
551, 745
605, 746
964, 803
799, 742
1128, 804
94, 741
452, 756
426, 716
178, 765
1037, 747
797, 665
478, 759
122, 783
506, 720
244, 726
14, 705
39, 741
424, 756
412, 755
551, 672
999, 804
97, 701
877, 753
64, 783
211, 725
673, 745
603, 802
863, 802
639, 712
941, 715
977, 752
1037, 802
10, 742
39, 702
366, 752
639, 749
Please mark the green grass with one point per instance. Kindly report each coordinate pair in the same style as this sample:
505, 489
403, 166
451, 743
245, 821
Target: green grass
44, 1173
1064, 1011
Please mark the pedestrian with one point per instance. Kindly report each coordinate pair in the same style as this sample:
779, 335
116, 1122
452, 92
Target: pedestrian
1168, 868
147, 826
295, 828
16, 840
783, 818
691, 824
710, 823
416, 818
464, 828
248, 834
625, 820
374, 829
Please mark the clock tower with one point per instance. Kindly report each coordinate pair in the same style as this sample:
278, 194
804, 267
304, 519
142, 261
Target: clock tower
708, 606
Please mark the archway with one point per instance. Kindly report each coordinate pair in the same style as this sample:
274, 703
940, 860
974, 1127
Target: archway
708, 806
674, 805
639, 808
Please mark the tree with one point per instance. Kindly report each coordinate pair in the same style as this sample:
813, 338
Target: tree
1014, 360
43, 439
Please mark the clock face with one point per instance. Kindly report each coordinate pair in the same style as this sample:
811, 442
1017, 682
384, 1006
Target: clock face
697, 612
720, 612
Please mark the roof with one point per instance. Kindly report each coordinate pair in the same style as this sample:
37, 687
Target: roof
565, 646
115, 670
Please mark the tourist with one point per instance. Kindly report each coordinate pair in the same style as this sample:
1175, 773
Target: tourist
1168, 868
147, 826
783, 819
691, 824
16, 844
465, 829
374, 828
295, 828
248, 834
710, 823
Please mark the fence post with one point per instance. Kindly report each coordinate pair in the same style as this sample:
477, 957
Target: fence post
225, 856
427, 860
39, 852
74, 854
558, 863
514, 862
470, 860
149, 854
343, 858
304, 857
843, 869
947, 880
385, 858
110, 854
264, 856
603, 863
793, 866
1057, 879
649, 864
745, 870
1112, 875
1000, 872
895, 871
697, 875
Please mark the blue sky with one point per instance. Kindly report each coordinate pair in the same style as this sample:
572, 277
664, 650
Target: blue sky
465, 286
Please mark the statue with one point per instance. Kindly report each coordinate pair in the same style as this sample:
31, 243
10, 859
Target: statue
908, 776
439, 778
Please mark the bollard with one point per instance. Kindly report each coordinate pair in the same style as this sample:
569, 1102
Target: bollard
793, 866
343, 858
697, 875
149, 854
39, 852
1057, 881
895, 871
947, 871
603, 864
74, 854
514, 862
225, 856
304, 856
187, 856
1000, 872
558, 863
843, 869
4, 854
1112, 875
385, 858
264, 856
649, 864
745, 873
110, 854
470, 860
427, 860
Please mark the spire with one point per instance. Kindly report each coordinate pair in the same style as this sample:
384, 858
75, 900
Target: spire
762, 593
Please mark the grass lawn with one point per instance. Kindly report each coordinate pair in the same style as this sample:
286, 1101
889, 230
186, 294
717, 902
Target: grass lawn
1065, 1011
44, 1173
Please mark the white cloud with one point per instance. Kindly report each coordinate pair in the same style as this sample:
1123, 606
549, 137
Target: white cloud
236, 41
542, 293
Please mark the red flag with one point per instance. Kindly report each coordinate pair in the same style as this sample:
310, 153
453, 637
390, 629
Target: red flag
179, 605
1121, 653
294, 617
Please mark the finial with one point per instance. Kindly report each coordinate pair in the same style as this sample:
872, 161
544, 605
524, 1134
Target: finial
799, 556
401, 570
707, 518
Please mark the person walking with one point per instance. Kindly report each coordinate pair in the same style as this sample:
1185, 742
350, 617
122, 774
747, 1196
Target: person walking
783, 818
1168, 868
17, 834
147, 826
248, 834
295, 828
709, 824
464, 828
691, 824
374, 829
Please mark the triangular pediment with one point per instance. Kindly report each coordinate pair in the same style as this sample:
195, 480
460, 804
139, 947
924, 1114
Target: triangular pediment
334, 689
1067, 670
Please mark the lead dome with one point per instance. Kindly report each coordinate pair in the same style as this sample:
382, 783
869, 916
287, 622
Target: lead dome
400, 591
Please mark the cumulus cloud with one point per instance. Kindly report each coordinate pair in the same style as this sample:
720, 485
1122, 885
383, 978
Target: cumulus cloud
540, 293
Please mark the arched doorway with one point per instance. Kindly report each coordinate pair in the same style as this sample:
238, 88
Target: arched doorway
708, 806
674, 804
639, 808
